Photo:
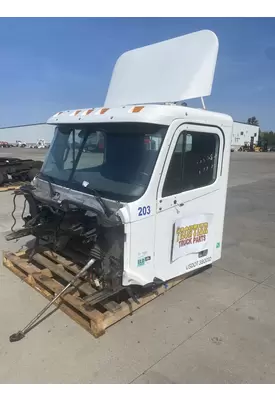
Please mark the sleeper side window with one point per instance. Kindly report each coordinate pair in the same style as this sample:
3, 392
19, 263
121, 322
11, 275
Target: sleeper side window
193, 164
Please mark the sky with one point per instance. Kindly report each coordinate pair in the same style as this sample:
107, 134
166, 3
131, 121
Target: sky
53, 64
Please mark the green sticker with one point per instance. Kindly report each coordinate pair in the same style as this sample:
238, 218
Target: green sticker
218, 245
141, 262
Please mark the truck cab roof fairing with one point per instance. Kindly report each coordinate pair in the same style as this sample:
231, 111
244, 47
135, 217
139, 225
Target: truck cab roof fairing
177, 69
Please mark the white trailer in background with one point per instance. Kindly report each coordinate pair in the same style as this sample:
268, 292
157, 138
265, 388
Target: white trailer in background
27, 134
242, 134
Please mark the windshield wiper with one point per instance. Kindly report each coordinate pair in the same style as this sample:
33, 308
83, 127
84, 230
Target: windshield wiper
108, 212
106, 209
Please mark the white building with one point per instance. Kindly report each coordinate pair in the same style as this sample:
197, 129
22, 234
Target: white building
242, 134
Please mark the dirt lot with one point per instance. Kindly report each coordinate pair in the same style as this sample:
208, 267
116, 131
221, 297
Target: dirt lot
217, 327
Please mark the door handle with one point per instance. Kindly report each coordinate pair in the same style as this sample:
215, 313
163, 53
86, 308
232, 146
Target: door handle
177, 207
178, 204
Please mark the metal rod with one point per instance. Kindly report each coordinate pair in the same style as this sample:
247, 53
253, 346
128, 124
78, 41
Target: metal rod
100, 296
203, 104
20, 334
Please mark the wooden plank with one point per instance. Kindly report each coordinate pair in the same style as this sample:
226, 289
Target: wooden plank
18, 272
58, 258
21, 253
67, 264
6, 188
12, 185
111, 306
55, 268
24, 265
60, 271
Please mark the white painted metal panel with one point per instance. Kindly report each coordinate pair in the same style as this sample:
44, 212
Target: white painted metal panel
151, 113
151, 236
176, 69
203, 204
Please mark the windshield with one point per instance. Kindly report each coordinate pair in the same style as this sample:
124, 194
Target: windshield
115, 159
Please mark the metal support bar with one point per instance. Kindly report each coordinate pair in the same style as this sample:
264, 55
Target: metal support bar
21, 334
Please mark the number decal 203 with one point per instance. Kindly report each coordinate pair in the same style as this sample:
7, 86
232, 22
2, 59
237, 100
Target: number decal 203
144, 211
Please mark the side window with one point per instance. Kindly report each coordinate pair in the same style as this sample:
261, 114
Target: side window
193, 164
95, 144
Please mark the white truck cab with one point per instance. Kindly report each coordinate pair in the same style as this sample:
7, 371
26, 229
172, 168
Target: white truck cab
162, 168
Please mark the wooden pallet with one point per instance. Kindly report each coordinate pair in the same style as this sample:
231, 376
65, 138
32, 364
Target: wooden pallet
11, 186
49, 272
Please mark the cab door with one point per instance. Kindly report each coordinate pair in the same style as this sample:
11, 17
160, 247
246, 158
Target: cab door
190, 201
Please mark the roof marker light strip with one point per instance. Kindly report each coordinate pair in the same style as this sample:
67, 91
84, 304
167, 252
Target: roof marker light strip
136, 109
87, 112
57, 114
104, 110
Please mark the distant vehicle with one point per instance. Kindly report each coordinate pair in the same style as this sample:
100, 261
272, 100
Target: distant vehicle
262, 145
40, 144
272, 149
19, 143
4, 144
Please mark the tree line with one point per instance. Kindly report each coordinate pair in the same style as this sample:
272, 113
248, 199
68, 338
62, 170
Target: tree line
269, 136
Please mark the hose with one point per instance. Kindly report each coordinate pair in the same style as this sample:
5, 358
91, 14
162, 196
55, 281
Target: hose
12, 214
14, 209
24, 208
